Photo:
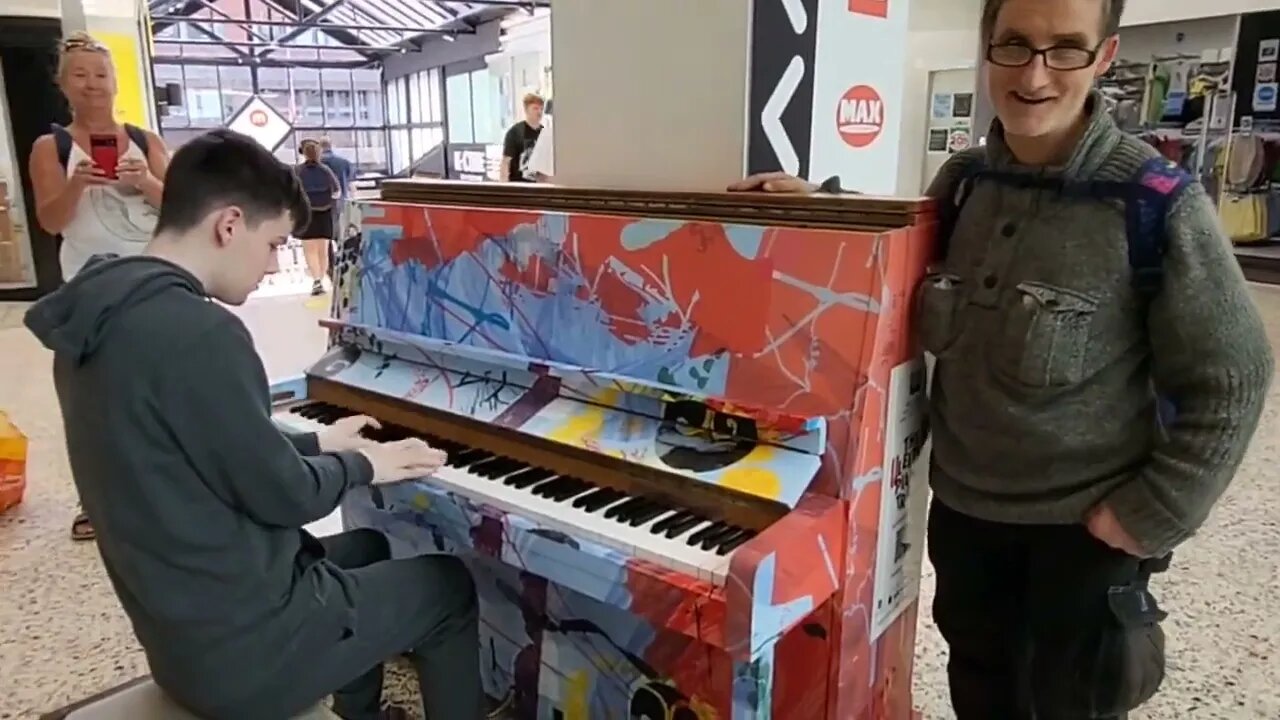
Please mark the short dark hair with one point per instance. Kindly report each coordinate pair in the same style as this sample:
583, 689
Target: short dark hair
222, 168
1112, 10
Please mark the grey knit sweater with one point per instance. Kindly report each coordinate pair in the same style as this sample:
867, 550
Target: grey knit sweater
1041, 402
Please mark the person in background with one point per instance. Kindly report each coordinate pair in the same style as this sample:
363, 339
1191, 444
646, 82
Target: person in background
341, 167
519, 141
95, 210
345, 171
322, 187
201, 499
1059, 485
542, 161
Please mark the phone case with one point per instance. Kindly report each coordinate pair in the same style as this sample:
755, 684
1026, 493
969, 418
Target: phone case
105, 152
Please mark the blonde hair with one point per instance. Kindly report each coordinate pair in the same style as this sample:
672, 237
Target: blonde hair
80, 41
533, 99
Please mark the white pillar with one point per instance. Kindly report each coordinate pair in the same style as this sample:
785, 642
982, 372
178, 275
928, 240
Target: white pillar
679, 95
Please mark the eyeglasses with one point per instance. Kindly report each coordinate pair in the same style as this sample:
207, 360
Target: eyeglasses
1058, 57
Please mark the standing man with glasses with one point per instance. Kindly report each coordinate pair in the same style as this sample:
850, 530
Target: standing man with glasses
1101, 369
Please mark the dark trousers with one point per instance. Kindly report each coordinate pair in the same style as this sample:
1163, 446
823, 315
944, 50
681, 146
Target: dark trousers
425, 606
1019, 606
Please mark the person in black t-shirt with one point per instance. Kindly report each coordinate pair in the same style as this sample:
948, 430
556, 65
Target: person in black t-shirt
520, 139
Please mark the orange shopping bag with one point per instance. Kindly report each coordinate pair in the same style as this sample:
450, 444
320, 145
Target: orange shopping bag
13, 463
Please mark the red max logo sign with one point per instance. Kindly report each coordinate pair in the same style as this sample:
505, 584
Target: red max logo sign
874, 8
258, 118
860, 116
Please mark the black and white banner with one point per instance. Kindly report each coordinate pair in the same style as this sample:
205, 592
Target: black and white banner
825, 90
784, 43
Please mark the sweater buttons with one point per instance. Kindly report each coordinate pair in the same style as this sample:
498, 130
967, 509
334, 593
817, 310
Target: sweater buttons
1009, 230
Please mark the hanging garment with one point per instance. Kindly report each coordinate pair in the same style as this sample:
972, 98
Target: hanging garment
1159, 88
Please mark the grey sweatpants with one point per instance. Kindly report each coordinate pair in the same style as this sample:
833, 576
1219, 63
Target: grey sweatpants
425, 606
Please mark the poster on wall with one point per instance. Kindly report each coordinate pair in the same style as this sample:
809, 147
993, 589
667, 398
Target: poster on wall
904, 498
942, 106
1268, 50
959, 139
1264, 97
963, 105
938, 139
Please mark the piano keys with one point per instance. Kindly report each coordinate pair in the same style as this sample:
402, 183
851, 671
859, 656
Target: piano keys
667, 419
662, 532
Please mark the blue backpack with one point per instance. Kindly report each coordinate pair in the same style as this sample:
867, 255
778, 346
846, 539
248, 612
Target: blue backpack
1147, 197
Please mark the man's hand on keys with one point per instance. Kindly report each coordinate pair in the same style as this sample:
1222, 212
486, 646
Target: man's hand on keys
345, 434
402, 460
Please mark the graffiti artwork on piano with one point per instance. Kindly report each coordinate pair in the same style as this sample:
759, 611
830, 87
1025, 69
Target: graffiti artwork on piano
771, 331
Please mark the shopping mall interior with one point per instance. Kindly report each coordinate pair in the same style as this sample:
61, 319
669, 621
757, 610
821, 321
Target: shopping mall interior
812, 595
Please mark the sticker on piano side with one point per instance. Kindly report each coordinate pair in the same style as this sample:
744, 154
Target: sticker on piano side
904, 497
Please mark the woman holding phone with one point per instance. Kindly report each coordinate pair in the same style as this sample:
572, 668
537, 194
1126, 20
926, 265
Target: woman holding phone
97, 182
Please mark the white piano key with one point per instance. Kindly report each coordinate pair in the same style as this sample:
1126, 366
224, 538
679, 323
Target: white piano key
674, 554
671, 553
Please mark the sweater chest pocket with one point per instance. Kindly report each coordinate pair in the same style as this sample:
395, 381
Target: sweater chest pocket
1045, 340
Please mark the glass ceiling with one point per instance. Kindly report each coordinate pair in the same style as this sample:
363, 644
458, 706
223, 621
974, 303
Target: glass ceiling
354, 14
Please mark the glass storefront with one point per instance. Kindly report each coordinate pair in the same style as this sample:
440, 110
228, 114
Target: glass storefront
346, 105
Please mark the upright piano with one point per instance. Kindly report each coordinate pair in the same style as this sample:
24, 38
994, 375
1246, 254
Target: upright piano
680, 430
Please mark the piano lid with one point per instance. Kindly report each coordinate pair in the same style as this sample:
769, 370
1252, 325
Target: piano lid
844, 211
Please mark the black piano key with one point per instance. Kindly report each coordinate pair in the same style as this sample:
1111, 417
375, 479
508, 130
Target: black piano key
597, 499
527, 477
572, 491
532, 480
716, 538
667, 521
731, 543
501, 468
550, 486
467, 458
644, 516
622, 507
698, 537
680, 527
607, 504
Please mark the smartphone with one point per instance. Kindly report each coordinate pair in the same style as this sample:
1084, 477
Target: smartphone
105, 153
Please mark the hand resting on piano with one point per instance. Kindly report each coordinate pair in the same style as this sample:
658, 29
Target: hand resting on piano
402, 460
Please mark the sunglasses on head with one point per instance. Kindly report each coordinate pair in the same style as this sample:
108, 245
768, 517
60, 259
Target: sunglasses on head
83, 44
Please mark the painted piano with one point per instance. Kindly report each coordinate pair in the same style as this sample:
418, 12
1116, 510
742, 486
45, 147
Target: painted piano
680, 431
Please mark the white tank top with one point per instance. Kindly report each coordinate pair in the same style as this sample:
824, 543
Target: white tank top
108, 219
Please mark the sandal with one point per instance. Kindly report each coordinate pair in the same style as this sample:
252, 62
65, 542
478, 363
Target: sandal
82, 529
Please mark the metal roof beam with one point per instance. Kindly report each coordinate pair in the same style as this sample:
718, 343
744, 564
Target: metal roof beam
283, 39
256, 44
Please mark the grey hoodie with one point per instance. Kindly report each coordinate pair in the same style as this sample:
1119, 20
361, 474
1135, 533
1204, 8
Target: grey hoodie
196, 497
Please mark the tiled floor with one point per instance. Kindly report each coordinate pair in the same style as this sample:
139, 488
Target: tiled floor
65, 637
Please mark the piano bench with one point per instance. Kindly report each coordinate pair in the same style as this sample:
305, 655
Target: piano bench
142, 699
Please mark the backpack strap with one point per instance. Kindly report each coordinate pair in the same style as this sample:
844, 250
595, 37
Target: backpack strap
139, 138
63, 141
1156, 186
969, 167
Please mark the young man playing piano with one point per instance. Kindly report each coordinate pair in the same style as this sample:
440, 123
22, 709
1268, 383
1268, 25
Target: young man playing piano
1098, 379
199, 500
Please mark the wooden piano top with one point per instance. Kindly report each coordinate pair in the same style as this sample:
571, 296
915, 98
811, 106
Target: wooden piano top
841, 212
